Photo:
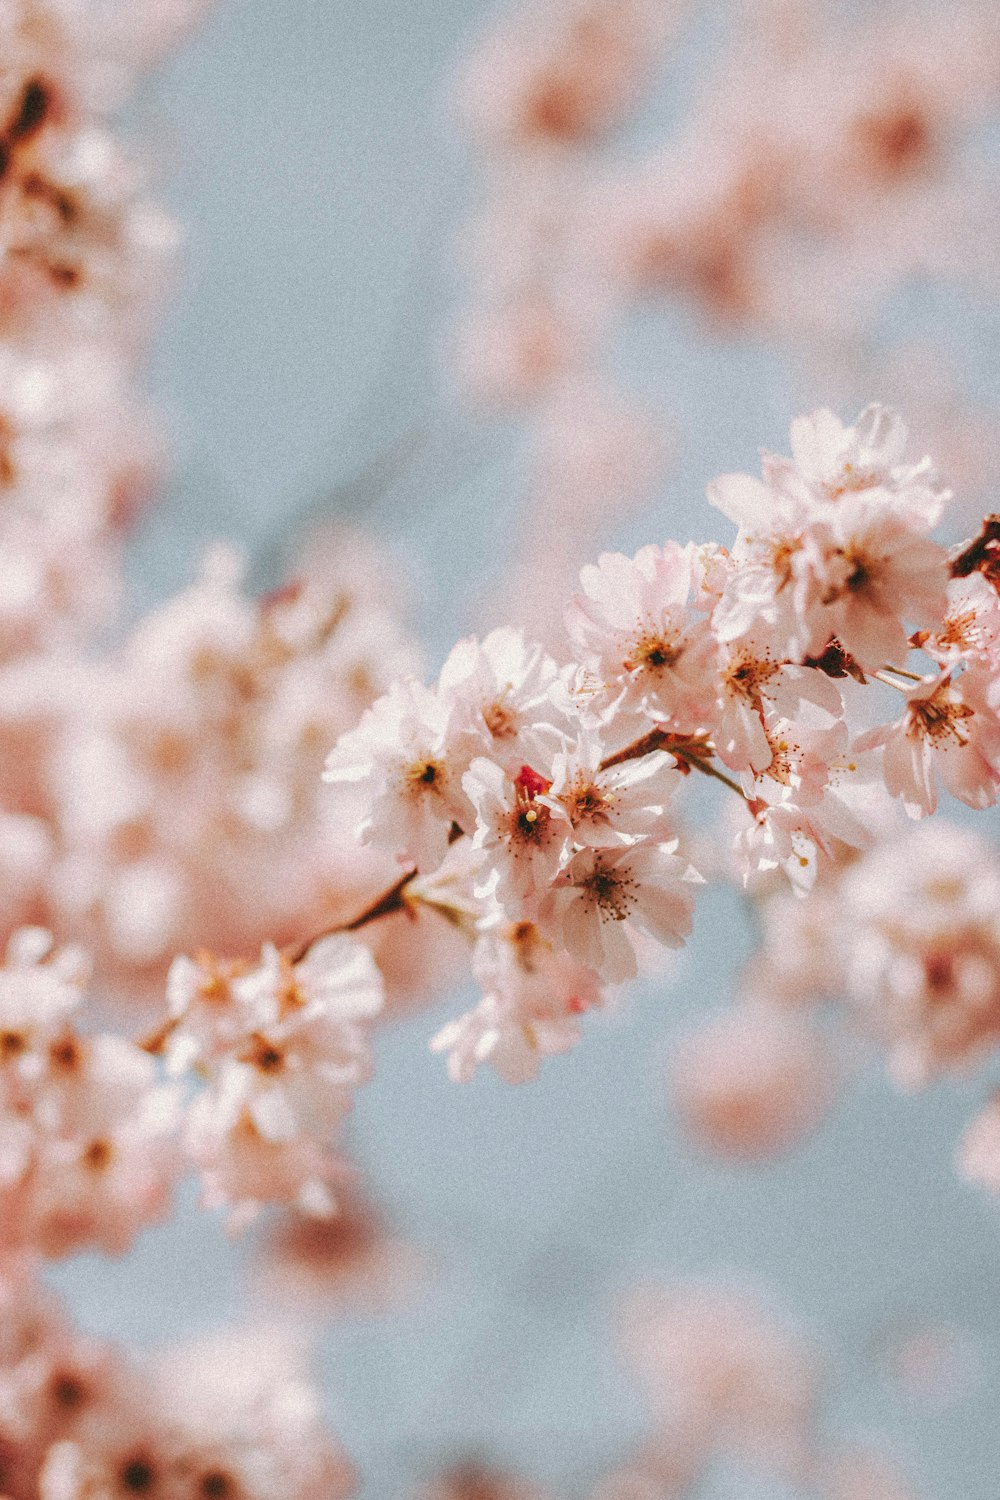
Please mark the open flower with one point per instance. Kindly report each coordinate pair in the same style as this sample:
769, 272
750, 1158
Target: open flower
873, 571
949, 729
604, 895
284, 1047
639, 638
830, 460
399, 758
834, 544
500, 695
616, 805
755, 687
522, 833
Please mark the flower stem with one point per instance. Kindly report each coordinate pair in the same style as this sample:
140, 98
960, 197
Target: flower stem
882, 675
709, 770
694, 752
900, 672
392, 900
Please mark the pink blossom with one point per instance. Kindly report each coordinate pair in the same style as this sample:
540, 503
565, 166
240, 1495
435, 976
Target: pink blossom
604, 896
399, 755
871, 569
756, 690
555, 76
500, 693
923, 961
99, 1193
242, 1171
720, 1364
353, 1262
767, 589
522, 835
512, 353
638, 638
751, 1082
970, 630
89, 1150
284, 1048
835, 544
224, 1415
533, 997
949, 729
613, 806
833, 461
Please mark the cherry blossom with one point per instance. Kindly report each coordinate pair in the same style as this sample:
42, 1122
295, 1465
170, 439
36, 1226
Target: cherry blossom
970, 630
752, 1082
225, 1415
832, 461
352, 1262
284, 1046
639, 642
533, 997
923, 962
604, 895
551, 77
161, 794
949, 729
567, 825
611, 805
831, 553
89, 1154
522, 835
399, 753
501, 695
720, 1365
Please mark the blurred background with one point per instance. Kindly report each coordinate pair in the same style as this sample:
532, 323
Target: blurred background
313, 160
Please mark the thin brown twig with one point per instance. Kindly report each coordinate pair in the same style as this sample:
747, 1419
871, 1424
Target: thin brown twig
392, 900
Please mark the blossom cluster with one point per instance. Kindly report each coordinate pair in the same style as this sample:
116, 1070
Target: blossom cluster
88, 1153
823, 161
725, 1374
282, 1047
235, 1415
905, 939
811, 138
266, 1061
83, 253
536, 801
162, 795
173, 787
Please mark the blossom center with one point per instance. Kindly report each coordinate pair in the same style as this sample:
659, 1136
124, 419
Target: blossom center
939, 718
746, 675
611, 891
654, 648
137, 1476
898, 140
424, 775
500, 719
264, 1055
584, 799
12, 1044
98, 1155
